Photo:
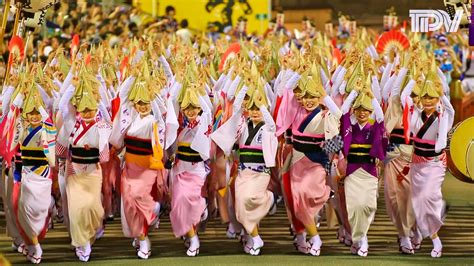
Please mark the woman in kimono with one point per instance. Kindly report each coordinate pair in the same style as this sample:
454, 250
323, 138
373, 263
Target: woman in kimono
311, 126
88, 145
190, 169
397, 163
11, 172
138, 130
257, 145
257, 151
37, 146
430, 126
363, 144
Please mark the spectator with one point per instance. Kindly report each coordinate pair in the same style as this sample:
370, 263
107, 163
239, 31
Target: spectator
171, 23
184, 33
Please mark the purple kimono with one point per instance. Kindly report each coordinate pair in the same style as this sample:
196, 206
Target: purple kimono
372, 134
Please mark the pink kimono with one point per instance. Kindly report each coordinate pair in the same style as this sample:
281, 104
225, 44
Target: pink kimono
309, 191
188, 174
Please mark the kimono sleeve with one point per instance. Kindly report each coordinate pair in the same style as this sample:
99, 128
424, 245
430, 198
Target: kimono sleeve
269, 139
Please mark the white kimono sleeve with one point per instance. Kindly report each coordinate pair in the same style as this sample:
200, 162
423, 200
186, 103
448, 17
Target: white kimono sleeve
172, 124
377, 111
229, 133
405, 96
386, 74
387, 88
67, 82
376, 88
269, 139
202, 140
331, 105
166, 68
346, 106
446, 120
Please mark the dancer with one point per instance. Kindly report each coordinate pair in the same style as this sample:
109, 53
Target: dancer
363, 144
397, 163
142, 133
37, 147
257, 151
311, 127
190, 169
430, 126
88, 145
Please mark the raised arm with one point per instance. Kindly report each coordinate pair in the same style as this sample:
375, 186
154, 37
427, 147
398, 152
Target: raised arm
68, 111
386, 74
376, 88
388, 87
346, 106
377, 111
449, 110
405, 96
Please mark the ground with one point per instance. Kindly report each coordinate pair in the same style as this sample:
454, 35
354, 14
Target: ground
113, 249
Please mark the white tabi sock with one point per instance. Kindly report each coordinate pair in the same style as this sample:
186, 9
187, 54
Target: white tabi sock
300, 238
316, 241
157, 208
194, 242
364, 243
257, 241
437, 244
405, 242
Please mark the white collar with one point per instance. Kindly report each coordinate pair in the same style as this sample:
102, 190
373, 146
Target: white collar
361, 126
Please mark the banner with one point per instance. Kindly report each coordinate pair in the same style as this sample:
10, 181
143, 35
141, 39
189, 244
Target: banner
223, 13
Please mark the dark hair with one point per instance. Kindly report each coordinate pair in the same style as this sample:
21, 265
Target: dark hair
66, 25
57, 6
169, 9
118, 31
133, 27
184, 23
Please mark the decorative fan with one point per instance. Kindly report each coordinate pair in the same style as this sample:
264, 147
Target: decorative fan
88, 59
74, 46
390, 40
336, 56
16, 47
123, 68
230, 53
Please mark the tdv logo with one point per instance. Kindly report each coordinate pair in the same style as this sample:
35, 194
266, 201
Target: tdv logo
425, 20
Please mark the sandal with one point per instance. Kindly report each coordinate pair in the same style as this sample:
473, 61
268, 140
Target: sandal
406, 250
436, 253
255, 251
143, 255
34, 259
192, 253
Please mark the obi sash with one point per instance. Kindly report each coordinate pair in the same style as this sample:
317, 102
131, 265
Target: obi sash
32, 156
251, 154
422, 147
18, 166
248, 153
82, 155
138, 146
360, 153
17, 161
397, 137
288, 136
185, 153
308, 144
